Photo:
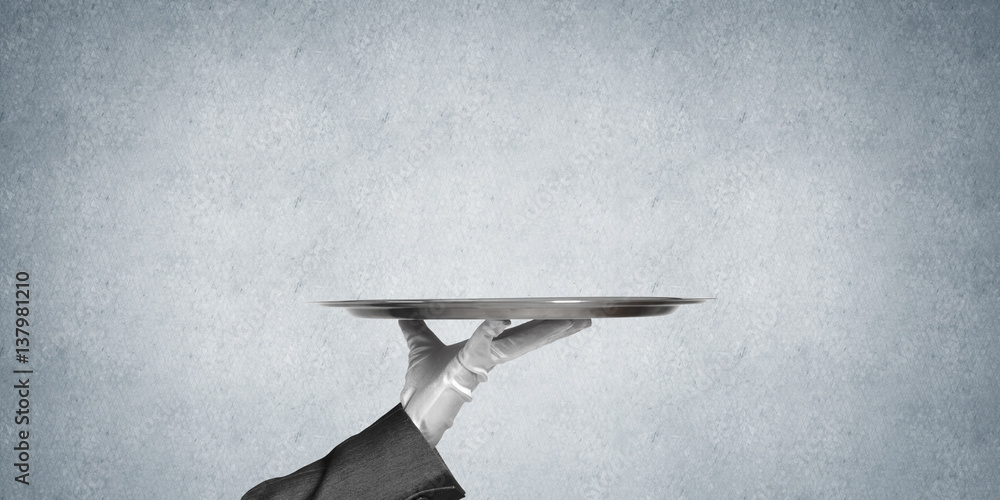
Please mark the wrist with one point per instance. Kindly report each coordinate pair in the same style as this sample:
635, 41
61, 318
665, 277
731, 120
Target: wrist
433, 408
461, 378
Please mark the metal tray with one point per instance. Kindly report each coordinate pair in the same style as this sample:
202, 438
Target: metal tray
520, 308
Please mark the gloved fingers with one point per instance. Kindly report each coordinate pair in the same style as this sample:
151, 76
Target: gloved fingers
475, 355
513, 331
579, 324
527, 337
419, 336
533, 335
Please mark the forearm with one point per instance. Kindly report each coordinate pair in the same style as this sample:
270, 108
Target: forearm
388, 460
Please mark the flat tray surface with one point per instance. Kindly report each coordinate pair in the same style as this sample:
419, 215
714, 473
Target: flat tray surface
521, 308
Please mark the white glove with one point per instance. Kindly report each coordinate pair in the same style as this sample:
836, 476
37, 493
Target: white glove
440, 378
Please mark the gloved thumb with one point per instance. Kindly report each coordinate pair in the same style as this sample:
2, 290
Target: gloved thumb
419, 336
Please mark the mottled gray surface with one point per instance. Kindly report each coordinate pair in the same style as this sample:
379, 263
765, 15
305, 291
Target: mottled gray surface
181, 178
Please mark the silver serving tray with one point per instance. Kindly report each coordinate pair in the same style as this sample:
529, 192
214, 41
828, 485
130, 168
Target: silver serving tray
522, 308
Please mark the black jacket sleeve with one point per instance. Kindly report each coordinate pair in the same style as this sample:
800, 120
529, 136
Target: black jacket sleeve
390, 460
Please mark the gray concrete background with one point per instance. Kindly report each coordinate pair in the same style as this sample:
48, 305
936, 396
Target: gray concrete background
182, 178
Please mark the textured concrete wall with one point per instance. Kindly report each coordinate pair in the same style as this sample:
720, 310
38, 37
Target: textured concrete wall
182, 178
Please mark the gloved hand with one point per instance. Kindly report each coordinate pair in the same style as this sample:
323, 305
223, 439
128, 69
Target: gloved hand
440, 378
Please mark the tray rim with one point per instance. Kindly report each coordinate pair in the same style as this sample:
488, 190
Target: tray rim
478, 300
514, 307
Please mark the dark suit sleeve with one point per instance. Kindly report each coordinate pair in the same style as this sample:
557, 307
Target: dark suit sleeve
390, 460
